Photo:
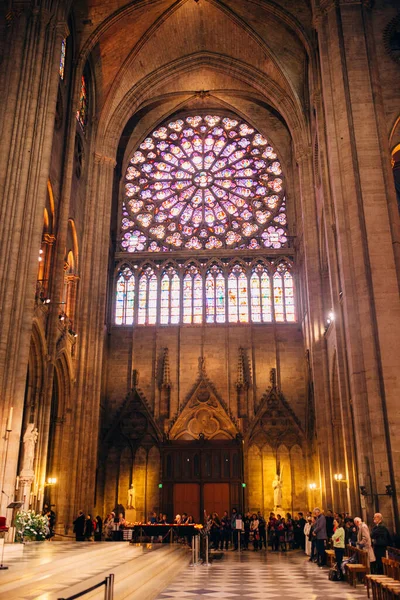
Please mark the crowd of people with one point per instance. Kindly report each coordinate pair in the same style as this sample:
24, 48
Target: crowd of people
334, 530
313, 532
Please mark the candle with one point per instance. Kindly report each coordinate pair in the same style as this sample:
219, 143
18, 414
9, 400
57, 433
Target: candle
9, 422
17, 483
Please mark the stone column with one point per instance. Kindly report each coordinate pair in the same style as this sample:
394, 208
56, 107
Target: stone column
365, 245
90, 323
314, 334
29, 82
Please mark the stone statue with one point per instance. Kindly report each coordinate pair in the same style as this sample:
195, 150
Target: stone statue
277, 484
30, 439
131, 497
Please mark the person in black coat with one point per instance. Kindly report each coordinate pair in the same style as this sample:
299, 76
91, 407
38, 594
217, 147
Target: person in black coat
89, 529
79, 527
381, 539
329, 524
99, 529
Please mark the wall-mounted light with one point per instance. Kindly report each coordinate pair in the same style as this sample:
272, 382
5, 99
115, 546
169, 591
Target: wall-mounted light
330, 318
363, 490
313, 486
51, 480
389, 490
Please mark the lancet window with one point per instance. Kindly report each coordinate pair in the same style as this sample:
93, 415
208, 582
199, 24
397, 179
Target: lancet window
62, 58
170, 297
125, 297
192, 295
148, 286
82, 112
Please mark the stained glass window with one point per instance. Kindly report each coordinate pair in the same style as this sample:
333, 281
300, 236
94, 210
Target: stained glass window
147, 310
125, 297
238, 300
203, 182
192, 296
62, 58
260, 292
214, 292
283, 294
82, 112
170, 297
215, 295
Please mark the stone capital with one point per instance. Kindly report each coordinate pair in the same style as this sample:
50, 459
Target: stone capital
100, 159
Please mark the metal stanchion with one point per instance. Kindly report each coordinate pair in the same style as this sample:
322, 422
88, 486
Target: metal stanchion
197, 549
193, 551
207, 563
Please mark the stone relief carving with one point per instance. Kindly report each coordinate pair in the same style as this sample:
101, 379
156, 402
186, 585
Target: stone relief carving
203, 417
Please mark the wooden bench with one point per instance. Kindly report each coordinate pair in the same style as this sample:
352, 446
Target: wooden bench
386, 587
330, 557
360, 567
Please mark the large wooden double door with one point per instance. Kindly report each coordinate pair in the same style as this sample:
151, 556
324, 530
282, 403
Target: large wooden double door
201, 476
195, 498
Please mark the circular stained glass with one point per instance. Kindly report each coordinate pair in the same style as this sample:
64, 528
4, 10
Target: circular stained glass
203, 182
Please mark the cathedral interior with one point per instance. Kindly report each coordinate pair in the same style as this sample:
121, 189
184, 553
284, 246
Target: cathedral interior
200, 256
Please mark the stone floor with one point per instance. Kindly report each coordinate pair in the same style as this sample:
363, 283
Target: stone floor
260, 576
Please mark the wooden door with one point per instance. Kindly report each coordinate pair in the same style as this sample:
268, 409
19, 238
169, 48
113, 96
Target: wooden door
216, 498
187, 499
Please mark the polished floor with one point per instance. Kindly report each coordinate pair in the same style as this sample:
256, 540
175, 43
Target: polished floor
260, 576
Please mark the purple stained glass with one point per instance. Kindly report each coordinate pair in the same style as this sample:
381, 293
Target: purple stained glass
200, 174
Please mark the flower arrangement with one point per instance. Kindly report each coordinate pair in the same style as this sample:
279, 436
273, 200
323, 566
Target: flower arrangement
30, 526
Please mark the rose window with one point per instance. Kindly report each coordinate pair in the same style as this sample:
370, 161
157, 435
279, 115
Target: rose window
203, 183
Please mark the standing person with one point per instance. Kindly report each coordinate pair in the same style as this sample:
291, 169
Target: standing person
329, 524
338, 539
320, 536
364, 539
262, 528
89, 528
254, 532
289, 533
307, 541
215, 531
225, 530
233, 527
79, 527
350, 531
246, 523
99, 529
301, 523
271, 530
381, 539
313, 540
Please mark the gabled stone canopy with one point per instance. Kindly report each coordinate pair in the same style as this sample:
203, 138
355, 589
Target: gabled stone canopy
133, 423
275, 422
204, 414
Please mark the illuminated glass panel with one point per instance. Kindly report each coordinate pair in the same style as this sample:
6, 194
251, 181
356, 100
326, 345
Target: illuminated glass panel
255, 295
238, 302
62, 58
278, 297
266, 297
147, 310
289, 296
125, 298
82, 112
192, 296
215, 296
170, 297
203, 182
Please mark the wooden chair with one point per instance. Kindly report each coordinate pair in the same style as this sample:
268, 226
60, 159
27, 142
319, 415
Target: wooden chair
361, 567
372, 581
386, 587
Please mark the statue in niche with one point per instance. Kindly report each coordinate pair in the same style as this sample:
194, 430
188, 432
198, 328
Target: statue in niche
277, 484
131, 497
30, 439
